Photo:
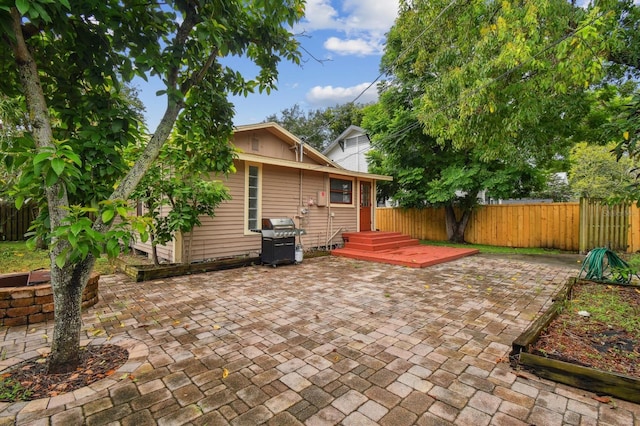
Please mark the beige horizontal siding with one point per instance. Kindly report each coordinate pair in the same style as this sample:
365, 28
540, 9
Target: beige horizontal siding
165, 252
223, 235
285, 192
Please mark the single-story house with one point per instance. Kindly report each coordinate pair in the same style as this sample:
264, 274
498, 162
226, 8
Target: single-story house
277, 175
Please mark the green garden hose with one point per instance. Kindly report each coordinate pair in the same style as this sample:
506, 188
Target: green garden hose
603, 265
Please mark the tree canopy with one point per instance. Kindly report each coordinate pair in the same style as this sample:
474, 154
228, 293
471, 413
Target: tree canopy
487, 94
319, 127
70, 60
595, 172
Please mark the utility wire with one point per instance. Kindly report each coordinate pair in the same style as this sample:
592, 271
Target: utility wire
406, 49
397, 59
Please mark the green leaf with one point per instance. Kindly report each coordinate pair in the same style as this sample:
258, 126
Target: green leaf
51, 178
22, 6
84, 250
61, 259
117, 126
19, 201
73, 157
39, 158
107, 216
32, 243
57, 164
113, 248
76, 228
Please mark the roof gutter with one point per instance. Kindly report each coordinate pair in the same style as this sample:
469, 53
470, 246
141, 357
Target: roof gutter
311, 167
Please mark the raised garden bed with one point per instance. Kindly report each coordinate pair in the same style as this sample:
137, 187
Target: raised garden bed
577, 348
145, 272
27, 298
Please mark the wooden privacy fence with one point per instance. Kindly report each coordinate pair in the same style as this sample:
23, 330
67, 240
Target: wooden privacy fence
14, 223
603, 225
544, 225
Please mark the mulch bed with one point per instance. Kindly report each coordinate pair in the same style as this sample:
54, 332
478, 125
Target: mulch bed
591, 343
97, 362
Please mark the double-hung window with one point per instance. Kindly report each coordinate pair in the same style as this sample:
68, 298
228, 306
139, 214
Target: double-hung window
341, 191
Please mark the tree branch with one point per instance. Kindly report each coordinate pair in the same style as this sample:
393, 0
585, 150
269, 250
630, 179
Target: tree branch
190, 21
197, 77
39, 115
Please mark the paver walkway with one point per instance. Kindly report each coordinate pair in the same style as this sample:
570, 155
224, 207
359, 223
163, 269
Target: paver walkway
330, 341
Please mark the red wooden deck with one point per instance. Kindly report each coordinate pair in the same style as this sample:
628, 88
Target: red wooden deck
396, 249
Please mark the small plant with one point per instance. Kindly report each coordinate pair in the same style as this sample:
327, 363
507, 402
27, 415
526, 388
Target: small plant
11, 390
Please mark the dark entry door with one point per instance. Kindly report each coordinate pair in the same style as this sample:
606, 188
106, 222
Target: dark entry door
365, 206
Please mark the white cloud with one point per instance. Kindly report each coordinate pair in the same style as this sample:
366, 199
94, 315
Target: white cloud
320, 15
325, 96
370, 15
363, 23
357, 47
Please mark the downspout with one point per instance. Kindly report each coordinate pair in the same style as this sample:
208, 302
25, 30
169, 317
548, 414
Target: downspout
300, 208
329, 223
300, 202
300, 194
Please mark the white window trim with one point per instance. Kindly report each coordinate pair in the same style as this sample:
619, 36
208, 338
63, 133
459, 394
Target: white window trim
247, 166
354, 193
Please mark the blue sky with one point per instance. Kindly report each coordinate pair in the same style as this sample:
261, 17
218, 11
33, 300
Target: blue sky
347, 35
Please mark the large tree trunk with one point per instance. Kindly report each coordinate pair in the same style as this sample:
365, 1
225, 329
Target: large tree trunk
67, 285
67, 292
455, 227
69, 282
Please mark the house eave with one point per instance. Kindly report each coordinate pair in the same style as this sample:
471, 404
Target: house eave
311, 167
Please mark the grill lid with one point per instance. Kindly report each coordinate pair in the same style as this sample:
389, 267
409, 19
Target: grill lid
278, 223
281, 227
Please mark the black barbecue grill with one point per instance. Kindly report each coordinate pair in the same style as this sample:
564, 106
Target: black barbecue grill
279, 240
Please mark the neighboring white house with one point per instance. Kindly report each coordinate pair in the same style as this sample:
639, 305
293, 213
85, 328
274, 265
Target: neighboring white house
349, 149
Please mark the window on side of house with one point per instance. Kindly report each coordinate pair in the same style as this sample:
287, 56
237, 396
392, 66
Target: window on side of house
253, 191
341, 191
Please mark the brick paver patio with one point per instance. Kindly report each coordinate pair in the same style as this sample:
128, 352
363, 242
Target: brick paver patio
329, 341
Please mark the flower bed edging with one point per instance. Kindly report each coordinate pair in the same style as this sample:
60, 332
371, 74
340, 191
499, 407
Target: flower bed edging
150, 272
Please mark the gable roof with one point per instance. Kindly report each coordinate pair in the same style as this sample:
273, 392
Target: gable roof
344, 135
288, 137
324, 163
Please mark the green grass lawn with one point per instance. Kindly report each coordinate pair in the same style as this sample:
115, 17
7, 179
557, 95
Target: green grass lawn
16, 257
633, 259
493, 249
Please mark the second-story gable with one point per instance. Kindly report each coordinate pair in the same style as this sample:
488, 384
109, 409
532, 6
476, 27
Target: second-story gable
349, 149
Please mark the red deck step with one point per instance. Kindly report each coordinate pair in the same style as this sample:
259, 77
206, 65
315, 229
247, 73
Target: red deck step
397, 249
376, 241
